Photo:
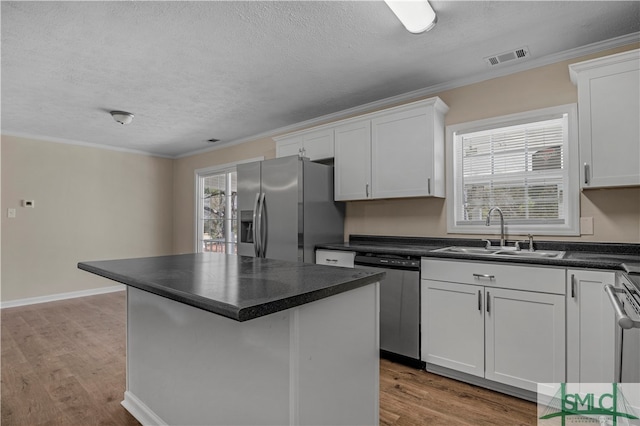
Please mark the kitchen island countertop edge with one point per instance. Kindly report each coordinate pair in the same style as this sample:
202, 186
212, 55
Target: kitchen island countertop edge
237, 287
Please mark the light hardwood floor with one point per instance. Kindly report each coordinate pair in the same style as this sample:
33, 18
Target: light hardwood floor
63, 363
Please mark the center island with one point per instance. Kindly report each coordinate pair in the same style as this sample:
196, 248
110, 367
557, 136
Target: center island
216, 339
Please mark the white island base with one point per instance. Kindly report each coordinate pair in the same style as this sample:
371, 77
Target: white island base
315, 364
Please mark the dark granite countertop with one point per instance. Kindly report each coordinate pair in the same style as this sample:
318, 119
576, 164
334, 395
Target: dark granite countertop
237, 287
613, 256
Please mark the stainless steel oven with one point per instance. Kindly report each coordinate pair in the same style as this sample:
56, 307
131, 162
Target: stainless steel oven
625, 298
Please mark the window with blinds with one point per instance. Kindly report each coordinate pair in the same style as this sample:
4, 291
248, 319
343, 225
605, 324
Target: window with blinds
521, 168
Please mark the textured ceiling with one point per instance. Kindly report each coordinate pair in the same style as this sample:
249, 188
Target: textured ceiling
192, 71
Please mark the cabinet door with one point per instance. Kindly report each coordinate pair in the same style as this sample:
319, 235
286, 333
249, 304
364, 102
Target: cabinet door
525, 338
402, 154
609, 107
335, 258
591, 327
288, 146
453, 326
615, 134
318, 145
352, 164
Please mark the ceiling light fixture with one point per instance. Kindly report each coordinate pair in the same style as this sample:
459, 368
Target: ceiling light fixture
122, 117
417, 16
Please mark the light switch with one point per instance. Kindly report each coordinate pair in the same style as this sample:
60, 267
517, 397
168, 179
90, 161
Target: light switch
11, 213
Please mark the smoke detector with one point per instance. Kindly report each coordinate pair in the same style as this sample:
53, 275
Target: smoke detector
122, 117
511, 55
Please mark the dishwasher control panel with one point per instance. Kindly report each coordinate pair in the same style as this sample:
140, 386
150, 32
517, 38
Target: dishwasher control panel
396, 262
400, 262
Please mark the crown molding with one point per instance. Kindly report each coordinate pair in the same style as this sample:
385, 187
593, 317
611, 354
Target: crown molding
379, 104
438, 88
80, 143
622, 57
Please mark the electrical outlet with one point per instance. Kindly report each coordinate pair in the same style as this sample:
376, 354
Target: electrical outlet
586, 226
11, 213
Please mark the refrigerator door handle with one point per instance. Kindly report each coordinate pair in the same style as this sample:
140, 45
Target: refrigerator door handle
262, 233
256, 234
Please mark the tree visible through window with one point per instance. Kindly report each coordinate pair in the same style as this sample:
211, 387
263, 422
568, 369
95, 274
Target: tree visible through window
218, 222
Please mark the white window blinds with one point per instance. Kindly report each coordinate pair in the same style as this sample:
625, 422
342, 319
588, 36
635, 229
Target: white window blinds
520, 168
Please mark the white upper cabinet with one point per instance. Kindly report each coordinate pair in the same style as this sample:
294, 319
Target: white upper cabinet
352, 166
398, 152
314, 144
318, 145
609, 110
392, 153
407, 152
291, 145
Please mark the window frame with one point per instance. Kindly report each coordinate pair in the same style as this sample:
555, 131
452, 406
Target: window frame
198, 189
572, 190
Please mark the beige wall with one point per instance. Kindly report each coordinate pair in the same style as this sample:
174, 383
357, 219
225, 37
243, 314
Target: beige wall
184, 184
98, 204
615, 212
90, 204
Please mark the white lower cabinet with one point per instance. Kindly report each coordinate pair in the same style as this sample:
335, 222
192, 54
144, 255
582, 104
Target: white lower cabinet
514, 337
524, 338
453, 326
590, 327
335, 258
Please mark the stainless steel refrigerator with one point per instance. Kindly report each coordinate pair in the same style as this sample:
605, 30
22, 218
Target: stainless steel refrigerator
286, 207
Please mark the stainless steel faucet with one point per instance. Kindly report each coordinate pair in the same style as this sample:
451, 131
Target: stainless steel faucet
518, 248
502, 243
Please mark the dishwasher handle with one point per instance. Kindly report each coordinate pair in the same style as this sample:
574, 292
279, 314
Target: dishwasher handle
621, 316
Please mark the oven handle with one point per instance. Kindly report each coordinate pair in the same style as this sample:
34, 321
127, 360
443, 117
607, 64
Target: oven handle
623, 319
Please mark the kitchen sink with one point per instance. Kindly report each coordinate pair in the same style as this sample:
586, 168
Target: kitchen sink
534, 254
501, 251
469, 250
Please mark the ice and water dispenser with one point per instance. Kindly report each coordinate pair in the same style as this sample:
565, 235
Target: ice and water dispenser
246, 226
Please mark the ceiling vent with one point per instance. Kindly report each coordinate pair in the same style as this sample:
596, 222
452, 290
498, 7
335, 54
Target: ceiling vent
509, 56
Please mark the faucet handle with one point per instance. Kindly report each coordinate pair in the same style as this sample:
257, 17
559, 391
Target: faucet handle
518, 248
488, 245
531, 242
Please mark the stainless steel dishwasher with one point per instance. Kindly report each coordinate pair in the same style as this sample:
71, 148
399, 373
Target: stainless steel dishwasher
399, 305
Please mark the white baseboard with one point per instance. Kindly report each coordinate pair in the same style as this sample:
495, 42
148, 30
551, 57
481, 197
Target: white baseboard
140, 411
61, 296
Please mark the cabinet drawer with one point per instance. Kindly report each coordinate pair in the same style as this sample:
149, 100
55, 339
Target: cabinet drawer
335, 258
490, 274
